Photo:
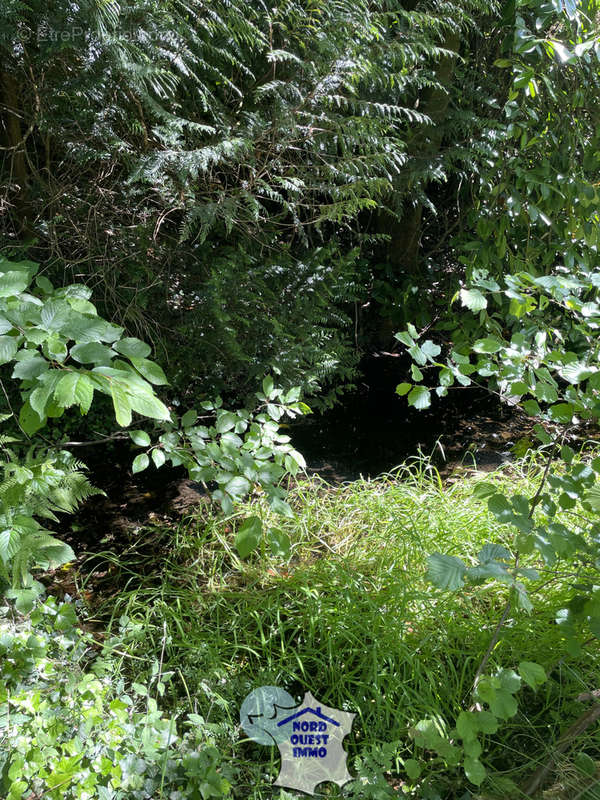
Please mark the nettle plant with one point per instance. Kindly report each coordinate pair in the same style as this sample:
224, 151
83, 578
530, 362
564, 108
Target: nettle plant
533, 341
61, 353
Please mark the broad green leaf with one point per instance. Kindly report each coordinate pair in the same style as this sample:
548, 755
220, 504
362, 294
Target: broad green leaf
151, 371
10, 541
405, 338
484, 490
149, 406
488, 345
576, 372
64, 393
562, 412
248, 536
131, 347
403, 388
267, 387
487, 722
587, 766
475, 771
279, 542
501, 702
467, 725
158, 456
8, 348
140, 462
533, 674
237, 487
54, 315
493, 552
431, 349
446, 572
92, 353
473, 299
29, 420
500, 508
509, 680
189, 418
12, 283
29, 368
225, 421
84, 393
532, 408
419, 397
280, 507
121, 404
413, 768
140, 438
472, 748
546, 392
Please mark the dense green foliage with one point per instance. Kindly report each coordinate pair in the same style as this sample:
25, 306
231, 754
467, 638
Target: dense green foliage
350, 615
61, 354
191, 158
265, 194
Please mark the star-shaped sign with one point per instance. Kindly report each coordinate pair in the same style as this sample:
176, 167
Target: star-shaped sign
309, 737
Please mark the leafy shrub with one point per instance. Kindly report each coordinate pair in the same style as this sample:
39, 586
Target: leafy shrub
70, 728
62, 353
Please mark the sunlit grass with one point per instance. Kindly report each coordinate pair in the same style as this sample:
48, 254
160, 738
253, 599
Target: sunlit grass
349, 615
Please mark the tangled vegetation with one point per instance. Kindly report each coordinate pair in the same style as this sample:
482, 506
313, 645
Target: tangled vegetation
212, 214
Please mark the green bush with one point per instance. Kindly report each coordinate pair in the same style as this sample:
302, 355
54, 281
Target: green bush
70, 728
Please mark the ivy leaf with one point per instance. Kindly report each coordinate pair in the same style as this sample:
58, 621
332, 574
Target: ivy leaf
446, 572
248, 536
